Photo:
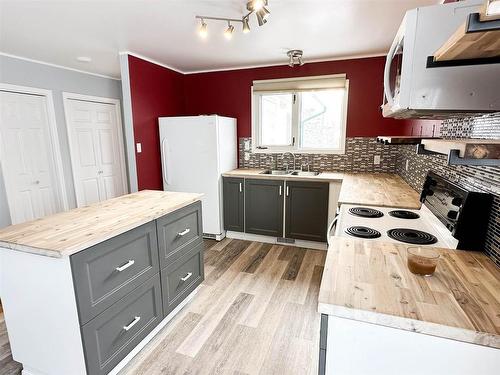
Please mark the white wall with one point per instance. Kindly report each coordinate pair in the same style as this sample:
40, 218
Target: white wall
58, 80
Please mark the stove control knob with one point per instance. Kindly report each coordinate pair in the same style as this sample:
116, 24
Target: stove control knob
452, 214
457, 201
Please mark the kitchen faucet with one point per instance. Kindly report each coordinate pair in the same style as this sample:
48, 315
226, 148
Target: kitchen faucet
293, 155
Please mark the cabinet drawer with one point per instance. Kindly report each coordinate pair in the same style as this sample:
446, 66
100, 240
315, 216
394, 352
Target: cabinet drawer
110, 336
179, 232
181, 278
104, 273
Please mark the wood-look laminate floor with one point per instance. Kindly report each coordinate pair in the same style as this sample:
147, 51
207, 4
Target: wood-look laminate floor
255, 313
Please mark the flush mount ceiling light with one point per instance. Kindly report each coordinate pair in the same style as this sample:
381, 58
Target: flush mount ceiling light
295, 57
253, 6
85, 59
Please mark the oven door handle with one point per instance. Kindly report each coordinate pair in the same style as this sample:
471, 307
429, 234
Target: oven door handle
330, 227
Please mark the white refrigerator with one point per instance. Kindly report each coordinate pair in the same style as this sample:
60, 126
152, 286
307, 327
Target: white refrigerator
195, 151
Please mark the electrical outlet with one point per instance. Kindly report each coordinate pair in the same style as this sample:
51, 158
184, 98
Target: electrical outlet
246, 145
407, 164
376, 160
138, 147
247, 156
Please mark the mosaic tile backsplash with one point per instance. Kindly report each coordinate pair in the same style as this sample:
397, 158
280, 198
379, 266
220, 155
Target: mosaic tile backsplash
360, 153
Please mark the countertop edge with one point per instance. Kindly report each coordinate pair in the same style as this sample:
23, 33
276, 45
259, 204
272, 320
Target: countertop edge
412, 325
378, 204
322, 177
50, 253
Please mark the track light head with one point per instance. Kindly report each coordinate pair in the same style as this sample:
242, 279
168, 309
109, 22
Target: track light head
203, 30
246, 26
260, 18
256, 5
229, 31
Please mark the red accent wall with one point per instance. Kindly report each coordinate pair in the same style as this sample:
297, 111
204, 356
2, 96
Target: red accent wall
155, 92
228, 93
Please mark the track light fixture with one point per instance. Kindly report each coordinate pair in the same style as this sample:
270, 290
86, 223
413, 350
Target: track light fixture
253, 6
295, 57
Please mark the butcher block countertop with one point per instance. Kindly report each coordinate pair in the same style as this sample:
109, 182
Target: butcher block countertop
256, 173
369, 281
378, 189
68, 232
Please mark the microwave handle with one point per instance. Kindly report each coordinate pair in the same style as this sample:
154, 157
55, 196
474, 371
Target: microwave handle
387, 70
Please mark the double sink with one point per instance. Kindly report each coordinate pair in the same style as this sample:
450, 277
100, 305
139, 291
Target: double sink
282, 172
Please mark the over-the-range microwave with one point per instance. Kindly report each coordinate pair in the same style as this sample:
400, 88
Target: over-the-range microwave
414, 90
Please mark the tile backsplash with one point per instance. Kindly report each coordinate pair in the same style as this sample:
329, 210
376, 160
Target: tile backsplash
360, 154
359, 157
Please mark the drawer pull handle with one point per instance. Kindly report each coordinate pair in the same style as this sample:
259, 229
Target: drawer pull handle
132, 323
125, 266
188, 275
184, 232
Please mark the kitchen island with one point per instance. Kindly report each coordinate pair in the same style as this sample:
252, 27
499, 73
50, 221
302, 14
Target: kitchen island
84, 290
372, 307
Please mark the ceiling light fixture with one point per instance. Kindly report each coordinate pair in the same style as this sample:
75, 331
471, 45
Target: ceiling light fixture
229, 31
84, 59
295, 57
203, 29
246, 26
253, 6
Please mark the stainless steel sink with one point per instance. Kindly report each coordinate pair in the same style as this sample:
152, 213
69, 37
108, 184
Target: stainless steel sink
305, 173
277, 172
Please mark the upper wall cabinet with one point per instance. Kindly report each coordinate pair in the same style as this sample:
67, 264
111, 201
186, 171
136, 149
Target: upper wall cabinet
416, 86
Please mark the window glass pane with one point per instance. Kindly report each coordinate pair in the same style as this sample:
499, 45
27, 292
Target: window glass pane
276, 119
321, 119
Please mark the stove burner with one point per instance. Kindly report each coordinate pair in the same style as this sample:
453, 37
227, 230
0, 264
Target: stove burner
412, 236
403, 214
363, 232
365, 212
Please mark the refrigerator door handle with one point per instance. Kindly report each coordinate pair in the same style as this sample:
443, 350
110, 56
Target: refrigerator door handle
164, 151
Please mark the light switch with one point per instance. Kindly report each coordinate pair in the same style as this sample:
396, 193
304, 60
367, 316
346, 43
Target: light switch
138, 147
376, 159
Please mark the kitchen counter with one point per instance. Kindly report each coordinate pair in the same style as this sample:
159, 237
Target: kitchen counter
378, 189
256, 173
368, 281
69, 232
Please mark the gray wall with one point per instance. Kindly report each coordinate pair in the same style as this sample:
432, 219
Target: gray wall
58, 80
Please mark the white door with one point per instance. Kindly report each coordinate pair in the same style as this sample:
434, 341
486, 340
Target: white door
27, 158
97, 152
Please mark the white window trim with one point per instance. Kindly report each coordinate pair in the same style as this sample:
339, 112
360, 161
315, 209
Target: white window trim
295, 148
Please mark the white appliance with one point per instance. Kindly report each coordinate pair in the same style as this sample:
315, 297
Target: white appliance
413, 90
195, 151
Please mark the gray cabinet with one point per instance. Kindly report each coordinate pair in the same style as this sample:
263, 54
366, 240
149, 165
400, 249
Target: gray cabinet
264, 207
306, 210
110, 336
234, 204
106, 272
181, 277
126, 285
179, 232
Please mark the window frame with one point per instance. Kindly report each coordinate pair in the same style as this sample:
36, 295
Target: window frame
258, 147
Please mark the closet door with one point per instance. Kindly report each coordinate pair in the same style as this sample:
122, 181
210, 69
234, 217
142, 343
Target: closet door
96, 150
27, 157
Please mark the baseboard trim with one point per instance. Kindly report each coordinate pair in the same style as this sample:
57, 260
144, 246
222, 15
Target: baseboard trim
274, 240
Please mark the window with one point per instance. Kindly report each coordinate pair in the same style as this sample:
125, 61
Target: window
304, 115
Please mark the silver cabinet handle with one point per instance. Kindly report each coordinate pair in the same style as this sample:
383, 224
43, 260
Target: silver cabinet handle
184, 232
280, 190
125, 266
287, 191
132, 323
188, 275
240, 188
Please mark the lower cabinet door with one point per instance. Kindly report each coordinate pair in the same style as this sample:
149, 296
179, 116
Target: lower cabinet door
306, 210
234, 203
182, 277
110, 336
264, 207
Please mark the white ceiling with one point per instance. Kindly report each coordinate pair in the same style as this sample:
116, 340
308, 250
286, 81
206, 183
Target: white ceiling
58, 31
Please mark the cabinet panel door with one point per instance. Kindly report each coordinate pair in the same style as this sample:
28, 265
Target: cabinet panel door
264, 207
234, 204
306, 210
